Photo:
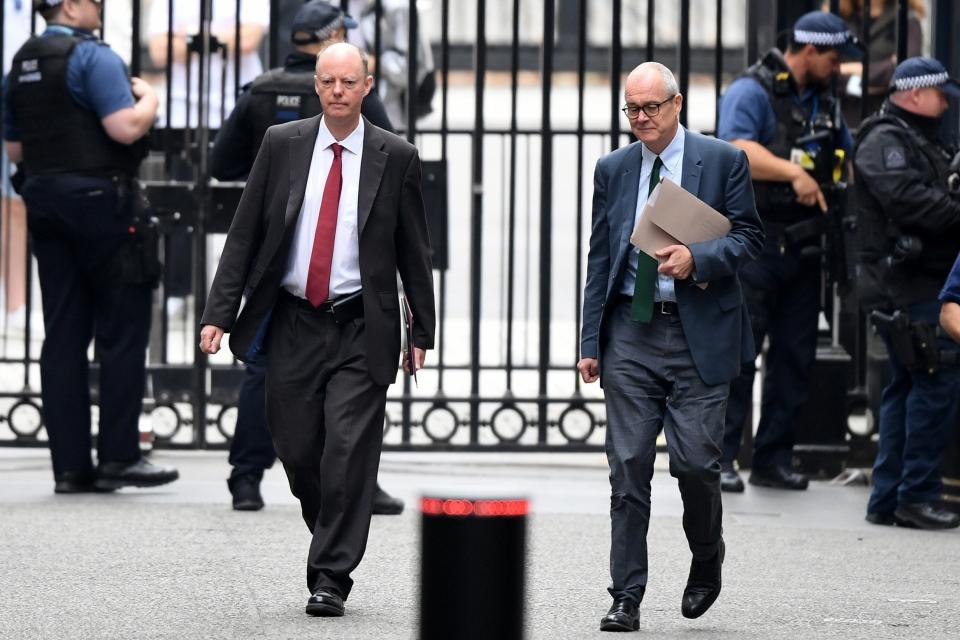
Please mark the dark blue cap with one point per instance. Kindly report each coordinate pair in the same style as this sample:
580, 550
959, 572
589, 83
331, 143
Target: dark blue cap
920, 72
826, 30
319, 19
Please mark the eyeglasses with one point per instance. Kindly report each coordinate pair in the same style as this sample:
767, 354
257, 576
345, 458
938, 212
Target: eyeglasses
632, 111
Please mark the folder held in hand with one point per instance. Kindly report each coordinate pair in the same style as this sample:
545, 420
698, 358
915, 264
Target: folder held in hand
673, 215
408, 347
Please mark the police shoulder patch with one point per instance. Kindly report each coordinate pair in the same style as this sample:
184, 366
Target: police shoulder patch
894, 158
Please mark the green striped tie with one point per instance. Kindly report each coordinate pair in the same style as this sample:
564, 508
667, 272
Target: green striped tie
642, 308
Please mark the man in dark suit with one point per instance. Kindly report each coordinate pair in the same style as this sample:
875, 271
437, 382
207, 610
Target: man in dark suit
332, 210
665, 336
279, 95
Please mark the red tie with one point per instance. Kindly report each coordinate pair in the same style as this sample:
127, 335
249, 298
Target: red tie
321, 259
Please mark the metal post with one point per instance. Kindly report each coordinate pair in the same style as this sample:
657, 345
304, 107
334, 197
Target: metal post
445, 84
616, 61
413, 49
274, 48
546, 213
201, 192
406, 413
236, 54
135, 57
718, 65
866, 21
512, 207
378, 37
476, 249
581, 87
903, 7
683, 57
651, 28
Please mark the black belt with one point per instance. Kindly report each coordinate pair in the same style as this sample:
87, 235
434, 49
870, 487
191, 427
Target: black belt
665, 308
343, 309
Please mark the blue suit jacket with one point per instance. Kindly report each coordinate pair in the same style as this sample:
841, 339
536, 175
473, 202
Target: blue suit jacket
714, 319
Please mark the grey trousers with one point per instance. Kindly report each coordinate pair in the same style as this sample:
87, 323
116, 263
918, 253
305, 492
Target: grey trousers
649, 382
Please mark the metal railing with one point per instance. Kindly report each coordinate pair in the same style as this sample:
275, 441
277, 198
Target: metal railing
508, 161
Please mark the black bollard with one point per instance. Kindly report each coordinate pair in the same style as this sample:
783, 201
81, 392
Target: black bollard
472, 568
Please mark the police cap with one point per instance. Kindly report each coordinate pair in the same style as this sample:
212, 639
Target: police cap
40, 5
824, 29
920, 72
319, 20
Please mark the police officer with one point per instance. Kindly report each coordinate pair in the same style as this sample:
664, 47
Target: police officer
75, 123
767, 112
279, 95
908, 222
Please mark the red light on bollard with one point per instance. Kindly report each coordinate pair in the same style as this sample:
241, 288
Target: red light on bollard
472, 568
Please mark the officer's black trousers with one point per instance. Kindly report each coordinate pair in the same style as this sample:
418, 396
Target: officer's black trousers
251, 450
783, 297
77, 225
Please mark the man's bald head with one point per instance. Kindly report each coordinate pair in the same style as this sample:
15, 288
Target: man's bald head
654, 77
651, 88
340, 53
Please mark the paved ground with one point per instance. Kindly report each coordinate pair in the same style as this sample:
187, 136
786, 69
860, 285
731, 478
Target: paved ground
176, 562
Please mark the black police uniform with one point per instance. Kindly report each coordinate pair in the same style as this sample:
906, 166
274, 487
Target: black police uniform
908, 222
782, 287
277, 96
94, 281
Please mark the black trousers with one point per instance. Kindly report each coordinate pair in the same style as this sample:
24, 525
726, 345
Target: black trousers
783, 297
251, 450
326, 418
77, 225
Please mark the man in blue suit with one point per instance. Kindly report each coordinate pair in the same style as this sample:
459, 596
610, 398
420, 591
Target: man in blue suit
665, 336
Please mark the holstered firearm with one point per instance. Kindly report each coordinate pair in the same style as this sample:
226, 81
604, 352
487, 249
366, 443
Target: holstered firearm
138, 260
913, 343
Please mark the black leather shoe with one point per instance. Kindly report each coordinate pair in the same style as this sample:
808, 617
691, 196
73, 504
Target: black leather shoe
624, 615
926, 515
703, 585
730, 480
386, 505
246, 493
73, 482
881, 518
141, 473
326, 603
778, 477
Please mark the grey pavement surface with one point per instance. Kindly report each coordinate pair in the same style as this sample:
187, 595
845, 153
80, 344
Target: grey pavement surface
176, 562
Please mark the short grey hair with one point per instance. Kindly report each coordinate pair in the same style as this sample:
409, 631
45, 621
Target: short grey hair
669, 81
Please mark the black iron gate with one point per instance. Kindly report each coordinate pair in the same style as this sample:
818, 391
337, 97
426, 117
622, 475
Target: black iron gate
528, 98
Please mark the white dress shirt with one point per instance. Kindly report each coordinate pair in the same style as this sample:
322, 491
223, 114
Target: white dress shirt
672, 159
345, 268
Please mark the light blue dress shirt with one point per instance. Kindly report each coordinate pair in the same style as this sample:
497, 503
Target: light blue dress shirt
672, 159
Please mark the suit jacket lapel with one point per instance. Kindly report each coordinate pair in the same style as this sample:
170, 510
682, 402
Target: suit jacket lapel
372, 164
628, 195
301, 154
692, 164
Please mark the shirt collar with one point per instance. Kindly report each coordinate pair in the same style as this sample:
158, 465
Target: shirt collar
671, 156
352, 143
70, 31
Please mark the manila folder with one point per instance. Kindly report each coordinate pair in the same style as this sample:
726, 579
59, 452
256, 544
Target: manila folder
673, 215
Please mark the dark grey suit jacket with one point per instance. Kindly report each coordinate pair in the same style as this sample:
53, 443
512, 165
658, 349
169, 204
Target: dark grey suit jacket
715, 320
392, 231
